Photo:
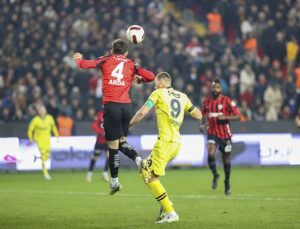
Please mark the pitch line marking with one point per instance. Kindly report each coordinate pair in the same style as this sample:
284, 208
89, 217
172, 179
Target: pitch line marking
213, 197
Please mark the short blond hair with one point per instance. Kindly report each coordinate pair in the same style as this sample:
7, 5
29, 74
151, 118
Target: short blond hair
164, 76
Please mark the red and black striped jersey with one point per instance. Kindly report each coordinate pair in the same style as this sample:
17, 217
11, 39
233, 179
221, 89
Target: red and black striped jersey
212, 109
97, 126
117, 76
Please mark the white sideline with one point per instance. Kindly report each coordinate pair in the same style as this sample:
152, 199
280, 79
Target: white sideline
247, 197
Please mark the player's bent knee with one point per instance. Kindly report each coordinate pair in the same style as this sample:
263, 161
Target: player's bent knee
96, 157
113, 144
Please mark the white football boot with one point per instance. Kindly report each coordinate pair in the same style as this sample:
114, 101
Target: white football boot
172, 217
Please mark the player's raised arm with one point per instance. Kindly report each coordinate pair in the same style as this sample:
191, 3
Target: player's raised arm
82, 63
196, 114
146, 75
140, 114
192, 110
152, 100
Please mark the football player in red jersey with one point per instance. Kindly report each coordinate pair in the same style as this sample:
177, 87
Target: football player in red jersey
219, 110
100, 146
118, 72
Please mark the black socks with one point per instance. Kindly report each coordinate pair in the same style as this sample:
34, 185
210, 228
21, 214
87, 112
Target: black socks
92, 165
212, 165
114, 162
227, 168
128, 150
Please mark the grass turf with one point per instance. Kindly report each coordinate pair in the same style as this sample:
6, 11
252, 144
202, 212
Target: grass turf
266, 197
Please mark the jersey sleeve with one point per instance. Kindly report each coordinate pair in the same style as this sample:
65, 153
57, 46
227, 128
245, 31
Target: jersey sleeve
189, 107
81, 63
53, 127
153, 97
31, 128
147, 76
231, 107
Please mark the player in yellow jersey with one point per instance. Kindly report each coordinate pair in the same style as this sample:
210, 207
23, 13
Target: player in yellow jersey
170, 106
39, 130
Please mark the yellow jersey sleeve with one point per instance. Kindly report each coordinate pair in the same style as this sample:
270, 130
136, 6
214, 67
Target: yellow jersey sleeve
31, 128
154, 97
189, 107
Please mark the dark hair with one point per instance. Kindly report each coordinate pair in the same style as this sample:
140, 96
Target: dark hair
217, 80
119, 46
164, 76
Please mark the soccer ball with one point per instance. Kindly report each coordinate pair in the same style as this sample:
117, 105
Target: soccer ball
135, 34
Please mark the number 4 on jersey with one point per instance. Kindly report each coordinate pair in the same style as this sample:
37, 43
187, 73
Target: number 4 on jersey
118, 71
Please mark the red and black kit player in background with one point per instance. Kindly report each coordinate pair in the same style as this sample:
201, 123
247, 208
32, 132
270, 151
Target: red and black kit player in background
118, 73
100, 146
219, 110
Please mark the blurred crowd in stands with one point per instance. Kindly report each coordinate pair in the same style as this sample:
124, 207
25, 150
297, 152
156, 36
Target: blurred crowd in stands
251, 45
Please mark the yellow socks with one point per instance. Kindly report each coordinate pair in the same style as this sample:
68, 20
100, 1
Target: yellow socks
161, 196
45, 172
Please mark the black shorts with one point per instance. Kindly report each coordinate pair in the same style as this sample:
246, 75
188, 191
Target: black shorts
116, 117
224, 144
99, 148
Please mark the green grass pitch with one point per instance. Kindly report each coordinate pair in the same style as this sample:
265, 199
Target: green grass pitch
267, 197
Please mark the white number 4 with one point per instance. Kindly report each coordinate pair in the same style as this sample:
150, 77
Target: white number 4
118, 71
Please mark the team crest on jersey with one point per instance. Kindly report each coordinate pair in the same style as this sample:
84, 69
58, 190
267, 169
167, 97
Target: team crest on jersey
233, 103
220, 106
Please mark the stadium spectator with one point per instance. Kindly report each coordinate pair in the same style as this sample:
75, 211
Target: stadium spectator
247, 78
18, 116
273, 96
248, 96
259, 114
194, 48
271, 113
292, 50
246, 113
286, 113
65, 124
247, 27
260, 86
214, 22
79, 115
37, 39
155, 7
52, 108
